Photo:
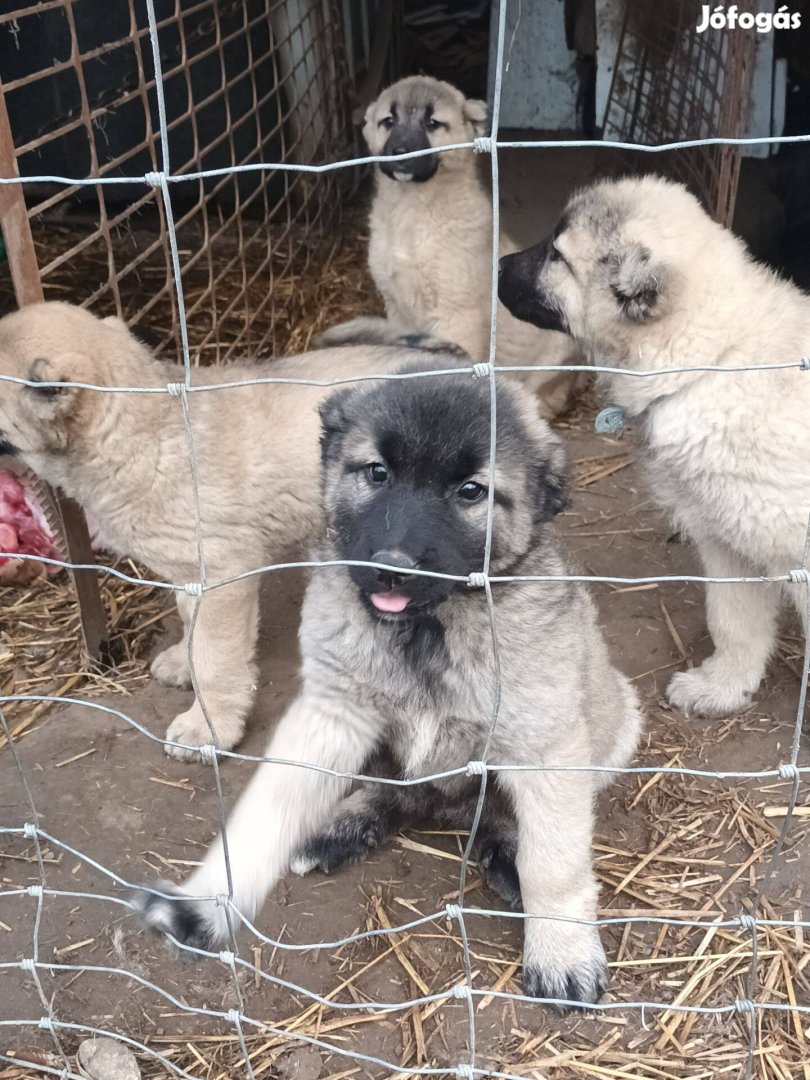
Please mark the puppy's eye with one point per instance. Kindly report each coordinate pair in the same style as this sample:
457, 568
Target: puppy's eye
387, 122
471, 492
377, 473
432, 125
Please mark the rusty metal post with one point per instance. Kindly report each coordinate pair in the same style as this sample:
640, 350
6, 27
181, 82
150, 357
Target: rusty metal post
28, 290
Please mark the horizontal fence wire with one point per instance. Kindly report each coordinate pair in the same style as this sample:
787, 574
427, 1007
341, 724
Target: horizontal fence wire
482, 146
788, 771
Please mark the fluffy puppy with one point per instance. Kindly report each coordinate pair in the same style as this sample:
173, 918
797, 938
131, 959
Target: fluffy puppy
401, 663
431, 235
643, 279
125, 459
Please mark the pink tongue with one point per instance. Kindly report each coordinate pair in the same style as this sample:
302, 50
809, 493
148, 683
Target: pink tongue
389, 601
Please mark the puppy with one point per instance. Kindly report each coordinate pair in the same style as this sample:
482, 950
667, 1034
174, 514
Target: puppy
402, 664
125, 458
431, 235
642, 278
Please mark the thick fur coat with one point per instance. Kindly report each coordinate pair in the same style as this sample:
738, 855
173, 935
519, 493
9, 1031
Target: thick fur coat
402, 664
643, 279
431, 236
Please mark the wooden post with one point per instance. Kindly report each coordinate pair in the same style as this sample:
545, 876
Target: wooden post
28, 290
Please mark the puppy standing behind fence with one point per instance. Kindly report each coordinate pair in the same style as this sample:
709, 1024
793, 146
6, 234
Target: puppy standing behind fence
125, 459
431, 236
404, 663
643, 279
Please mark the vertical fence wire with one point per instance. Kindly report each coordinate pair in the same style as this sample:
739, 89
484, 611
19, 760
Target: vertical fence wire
182, 393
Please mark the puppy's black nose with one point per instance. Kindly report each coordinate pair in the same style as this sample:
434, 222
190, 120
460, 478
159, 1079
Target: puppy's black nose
401, 149
390, 578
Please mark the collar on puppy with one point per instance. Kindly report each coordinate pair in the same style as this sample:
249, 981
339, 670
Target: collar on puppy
610, 420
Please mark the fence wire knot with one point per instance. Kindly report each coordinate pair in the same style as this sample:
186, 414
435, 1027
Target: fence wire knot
467, 1071
193, 588
35, 890
800, 576
234, 1015
28, 965
46, 1023
227, 957
461, 990
476, 768
747, 922
453, 911
481, 371
222, 900
788, 771
29, 831
477, 581
175, 389
745, 1005
804, 363
208, 753
154, 179
482, 145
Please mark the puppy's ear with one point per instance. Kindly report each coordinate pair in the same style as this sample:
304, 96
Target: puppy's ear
47, 398
551, 485
477, 113
334, 421
52, 406
635, 282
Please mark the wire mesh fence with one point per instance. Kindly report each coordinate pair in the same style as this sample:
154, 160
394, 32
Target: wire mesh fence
243, 82
164, 181
668, 80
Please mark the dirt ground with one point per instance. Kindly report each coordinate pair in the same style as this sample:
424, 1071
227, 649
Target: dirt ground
666, 846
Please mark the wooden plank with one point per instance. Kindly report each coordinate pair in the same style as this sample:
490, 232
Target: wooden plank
28, 290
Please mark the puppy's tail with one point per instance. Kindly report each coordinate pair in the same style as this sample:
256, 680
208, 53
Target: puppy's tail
375, 330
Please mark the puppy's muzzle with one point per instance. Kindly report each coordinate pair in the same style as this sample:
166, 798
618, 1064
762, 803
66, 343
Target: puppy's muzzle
391, 579
520, 290
417, 169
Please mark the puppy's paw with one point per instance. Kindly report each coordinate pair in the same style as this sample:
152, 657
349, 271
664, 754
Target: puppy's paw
191, 728
171, 667
711, 690
566, 963
497, 860
349, 840
190, 922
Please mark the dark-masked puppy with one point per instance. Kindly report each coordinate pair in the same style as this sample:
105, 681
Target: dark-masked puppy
408, 490
644, 280
420, 113
397, 661
431, 234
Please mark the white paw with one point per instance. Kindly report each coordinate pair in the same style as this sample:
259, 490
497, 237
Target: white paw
711, 690
171, 668
302, 864
196, 923
191, 729
564, 962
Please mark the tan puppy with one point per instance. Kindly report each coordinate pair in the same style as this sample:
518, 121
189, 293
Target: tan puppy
431, 235
125, 459
642, 278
